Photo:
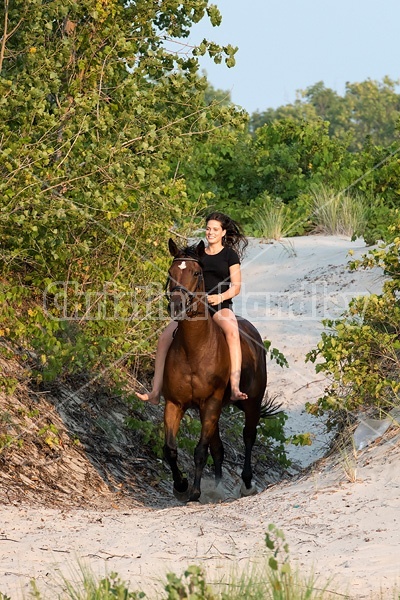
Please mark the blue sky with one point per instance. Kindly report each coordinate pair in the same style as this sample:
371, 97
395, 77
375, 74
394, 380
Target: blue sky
286, 45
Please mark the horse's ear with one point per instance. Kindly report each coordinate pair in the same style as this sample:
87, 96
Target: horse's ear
200, 249
173, 248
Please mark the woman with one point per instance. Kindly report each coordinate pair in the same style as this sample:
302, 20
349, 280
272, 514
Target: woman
222, 279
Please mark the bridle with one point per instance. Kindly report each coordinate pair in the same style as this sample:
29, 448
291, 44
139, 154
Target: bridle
187, 294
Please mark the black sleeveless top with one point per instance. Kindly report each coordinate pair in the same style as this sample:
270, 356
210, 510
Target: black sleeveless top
216, 273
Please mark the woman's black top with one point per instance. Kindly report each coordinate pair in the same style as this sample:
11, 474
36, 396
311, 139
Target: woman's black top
216, 273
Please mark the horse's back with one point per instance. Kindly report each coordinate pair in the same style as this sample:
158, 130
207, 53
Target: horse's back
250, 338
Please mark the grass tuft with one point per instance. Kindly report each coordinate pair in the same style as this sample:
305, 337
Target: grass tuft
274, 219
269, 578
337, 213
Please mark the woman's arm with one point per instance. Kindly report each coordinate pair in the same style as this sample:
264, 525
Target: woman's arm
236, 282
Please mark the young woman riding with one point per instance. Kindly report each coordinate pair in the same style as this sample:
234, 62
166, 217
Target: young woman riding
222, 279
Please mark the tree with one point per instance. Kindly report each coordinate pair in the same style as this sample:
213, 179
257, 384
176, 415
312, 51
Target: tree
96, 104
328, 106
213, 95
374, 111
368, 110
298, 111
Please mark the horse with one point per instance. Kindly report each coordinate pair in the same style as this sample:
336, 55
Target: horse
197, 373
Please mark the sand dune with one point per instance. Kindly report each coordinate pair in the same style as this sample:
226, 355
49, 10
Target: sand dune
341, 529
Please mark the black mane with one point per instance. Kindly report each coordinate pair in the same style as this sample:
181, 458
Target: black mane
190, 252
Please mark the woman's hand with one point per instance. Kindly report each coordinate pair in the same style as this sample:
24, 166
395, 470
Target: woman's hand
214, 299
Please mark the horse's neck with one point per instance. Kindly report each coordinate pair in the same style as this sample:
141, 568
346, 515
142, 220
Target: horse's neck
197, 332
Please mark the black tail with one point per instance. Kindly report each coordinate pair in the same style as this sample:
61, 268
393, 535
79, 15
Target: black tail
270, 408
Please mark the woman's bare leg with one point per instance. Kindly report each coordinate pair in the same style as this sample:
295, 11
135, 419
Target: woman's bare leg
163, 345
228, 323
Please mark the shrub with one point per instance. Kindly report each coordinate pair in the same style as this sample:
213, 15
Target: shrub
360, 352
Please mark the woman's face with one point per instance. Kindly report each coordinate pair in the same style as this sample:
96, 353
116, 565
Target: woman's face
214, 232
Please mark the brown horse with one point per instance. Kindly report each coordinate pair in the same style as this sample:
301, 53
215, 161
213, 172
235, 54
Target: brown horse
197, 370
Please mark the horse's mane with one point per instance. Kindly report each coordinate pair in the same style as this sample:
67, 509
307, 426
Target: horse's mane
190, 252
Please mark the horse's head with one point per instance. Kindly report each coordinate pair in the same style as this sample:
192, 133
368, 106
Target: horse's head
185, 282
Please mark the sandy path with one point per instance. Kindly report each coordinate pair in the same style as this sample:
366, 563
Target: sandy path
340, 529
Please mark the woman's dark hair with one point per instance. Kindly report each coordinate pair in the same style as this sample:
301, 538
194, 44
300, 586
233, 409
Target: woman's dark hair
234, 236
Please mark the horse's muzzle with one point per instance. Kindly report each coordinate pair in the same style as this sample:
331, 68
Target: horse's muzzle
178, 306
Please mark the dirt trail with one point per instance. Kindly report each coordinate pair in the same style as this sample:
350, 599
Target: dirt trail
102, 501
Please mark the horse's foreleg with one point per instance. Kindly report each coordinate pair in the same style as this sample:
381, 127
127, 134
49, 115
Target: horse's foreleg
172, 418
252, 418
209, 415
217, 453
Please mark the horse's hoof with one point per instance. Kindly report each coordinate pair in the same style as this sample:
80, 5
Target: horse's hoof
181, 496
251, 491
194, 497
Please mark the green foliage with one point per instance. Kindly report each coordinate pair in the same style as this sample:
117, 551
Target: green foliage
271, 436
300, 439
50, 435
192, 586
189, 433
380, 185
12, 438
271, 171
380, 217
8, 384
275, 541
348, 144
151, 433
95, 111
108, 588
361, 352
374, 110
7, 441
275, 354
283, 582
368, 111
114, 589
291, 156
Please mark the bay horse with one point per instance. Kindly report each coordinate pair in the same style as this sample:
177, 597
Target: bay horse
197, 373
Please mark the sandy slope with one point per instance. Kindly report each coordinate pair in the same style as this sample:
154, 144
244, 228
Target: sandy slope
289, 287
341, 529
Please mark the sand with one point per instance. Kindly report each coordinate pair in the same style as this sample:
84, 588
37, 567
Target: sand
340, 515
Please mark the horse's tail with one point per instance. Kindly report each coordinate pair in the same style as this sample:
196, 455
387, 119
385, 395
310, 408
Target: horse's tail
270, 408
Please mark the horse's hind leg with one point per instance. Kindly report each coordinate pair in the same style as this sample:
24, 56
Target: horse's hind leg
252, 417
172, 418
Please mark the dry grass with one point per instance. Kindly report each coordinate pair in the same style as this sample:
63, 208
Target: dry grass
274, 220
337, 213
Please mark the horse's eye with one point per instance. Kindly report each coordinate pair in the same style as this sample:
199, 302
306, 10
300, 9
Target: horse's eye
196, 273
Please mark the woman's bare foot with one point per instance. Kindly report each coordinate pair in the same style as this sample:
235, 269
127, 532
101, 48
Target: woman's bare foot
238, 395
152, 397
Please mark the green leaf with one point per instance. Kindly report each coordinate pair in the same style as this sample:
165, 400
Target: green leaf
215, 15
273, 563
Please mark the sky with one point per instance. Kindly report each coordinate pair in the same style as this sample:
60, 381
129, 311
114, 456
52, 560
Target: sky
287, 45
